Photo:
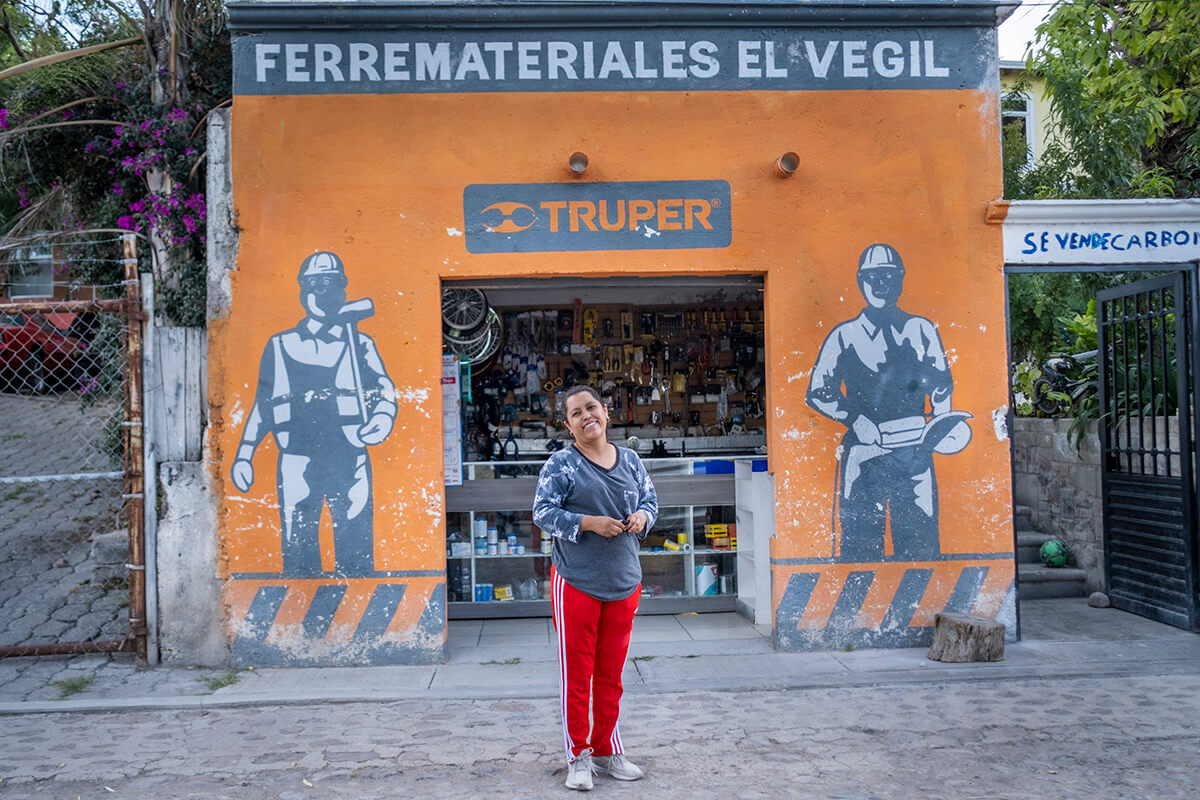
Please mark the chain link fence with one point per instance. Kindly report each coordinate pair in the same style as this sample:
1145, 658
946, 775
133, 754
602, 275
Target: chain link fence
65, 499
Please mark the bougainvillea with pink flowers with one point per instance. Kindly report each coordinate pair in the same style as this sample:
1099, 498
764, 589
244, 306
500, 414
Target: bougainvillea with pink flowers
100, 148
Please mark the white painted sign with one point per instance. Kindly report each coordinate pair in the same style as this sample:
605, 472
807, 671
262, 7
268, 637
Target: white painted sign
1102, 232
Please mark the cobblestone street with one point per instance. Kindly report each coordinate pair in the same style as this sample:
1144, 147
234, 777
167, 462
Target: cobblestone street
50, 590
1065, 739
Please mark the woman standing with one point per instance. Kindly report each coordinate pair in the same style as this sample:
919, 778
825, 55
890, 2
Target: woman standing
597, 501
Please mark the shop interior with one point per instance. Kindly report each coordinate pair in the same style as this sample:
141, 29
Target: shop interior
680, 363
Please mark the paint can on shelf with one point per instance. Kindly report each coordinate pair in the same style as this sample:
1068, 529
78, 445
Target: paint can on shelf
480, 527
502, 547
492, 535
492, 549
547, 546
706, 579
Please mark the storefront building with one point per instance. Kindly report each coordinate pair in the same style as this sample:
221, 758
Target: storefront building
759, 229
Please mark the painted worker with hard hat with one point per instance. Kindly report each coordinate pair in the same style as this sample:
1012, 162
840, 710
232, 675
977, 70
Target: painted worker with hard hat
325, 395
884, 375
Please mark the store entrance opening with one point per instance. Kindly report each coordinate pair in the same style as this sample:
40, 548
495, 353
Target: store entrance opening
679, 363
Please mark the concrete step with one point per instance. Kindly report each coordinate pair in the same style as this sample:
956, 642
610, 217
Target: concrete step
1038, 581
1029, 545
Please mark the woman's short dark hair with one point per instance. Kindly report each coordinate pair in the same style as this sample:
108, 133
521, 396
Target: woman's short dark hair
574, 390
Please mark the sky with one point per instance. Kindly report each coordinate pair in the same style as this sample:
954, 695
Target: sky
1017, 30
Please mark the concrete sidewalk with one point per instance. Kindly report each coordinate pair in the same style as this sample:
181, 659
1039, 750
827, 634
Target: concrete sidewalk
516, 659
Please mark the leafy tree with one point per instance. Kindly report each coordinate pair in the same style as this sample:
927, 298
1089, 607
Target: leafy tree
1052, 314
101, 129
1123, 78
1042, 304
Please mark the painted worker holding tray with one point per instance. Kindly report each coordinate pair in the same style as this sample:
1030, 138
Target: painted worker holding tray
598, 503
884, 375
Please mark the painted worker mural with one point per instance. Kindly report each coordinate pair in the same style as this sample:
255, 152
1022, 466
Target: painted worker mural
884, 375
325, 395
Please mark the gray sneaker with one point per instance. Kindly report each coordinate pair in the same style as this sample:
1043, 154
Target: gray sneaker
619, 767
579, 772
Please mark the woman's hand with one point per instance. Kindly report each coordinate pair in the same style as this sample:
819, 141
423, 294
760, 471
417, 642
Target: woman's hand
605, 526
636, 522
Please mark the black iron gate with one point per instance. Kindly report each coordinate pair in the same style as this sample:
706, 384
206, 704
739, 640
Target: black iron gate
1147, 341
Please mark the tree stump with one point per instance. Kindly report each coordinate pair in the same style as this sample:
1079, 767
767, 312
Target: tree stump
966, 637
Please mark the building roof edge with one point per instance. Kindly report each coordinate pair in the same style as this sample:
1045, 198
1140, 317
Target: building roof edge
260, 15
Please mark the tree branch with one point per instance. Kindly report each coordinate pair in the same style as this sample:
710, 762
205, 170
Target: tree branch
13, 243
141, 28
63, 107
199, 125
7, 28
65, 124
196, 167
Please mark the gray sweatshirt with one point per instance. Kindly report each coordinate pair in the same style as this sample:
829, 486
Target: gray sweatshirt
570, 486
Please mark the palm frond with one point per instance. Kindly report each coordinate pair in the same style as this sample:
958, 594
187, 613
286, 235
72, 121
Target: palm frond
67, 55
45, 214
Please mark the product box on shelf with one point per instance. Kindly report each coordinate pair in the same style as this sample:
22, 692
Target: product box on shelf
721, 536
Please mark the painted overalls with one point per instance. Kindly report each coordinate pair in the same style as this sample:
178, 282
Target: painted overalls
307, 389
884, 370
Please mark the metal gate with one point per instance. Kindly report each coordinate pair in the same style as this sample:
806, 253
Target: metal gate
71, 460
1146, 340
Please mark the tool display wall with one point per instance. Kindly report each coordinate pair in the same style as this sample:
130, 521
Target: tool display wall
665, 372
679, 380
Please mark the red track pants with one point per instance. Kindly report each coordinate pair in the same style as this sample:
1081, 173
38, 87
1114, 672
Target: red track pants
593, 640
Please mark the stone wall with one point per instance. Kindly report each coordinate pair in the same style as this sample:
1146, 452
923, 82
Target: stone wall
1062, 486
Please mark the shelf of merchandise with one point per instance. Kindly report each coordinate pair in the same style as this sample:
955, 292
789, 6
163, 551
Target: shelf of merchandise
684, 495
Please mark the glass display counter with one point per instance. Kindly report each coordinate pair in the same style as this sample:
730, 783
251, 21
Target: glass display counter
498, 561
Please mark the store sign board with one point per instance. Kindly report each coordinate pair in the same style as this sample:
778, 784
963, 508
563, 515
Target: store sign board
568, 217
1085, 242
691, 59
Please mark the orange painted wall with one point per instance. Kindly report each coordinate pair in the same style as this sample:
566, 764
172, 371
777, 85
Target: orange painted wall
379, 179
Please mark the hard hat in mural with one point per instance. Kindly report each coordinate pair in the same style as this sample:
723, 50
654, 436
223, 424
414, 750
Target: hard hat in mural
878, 256
320, 263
